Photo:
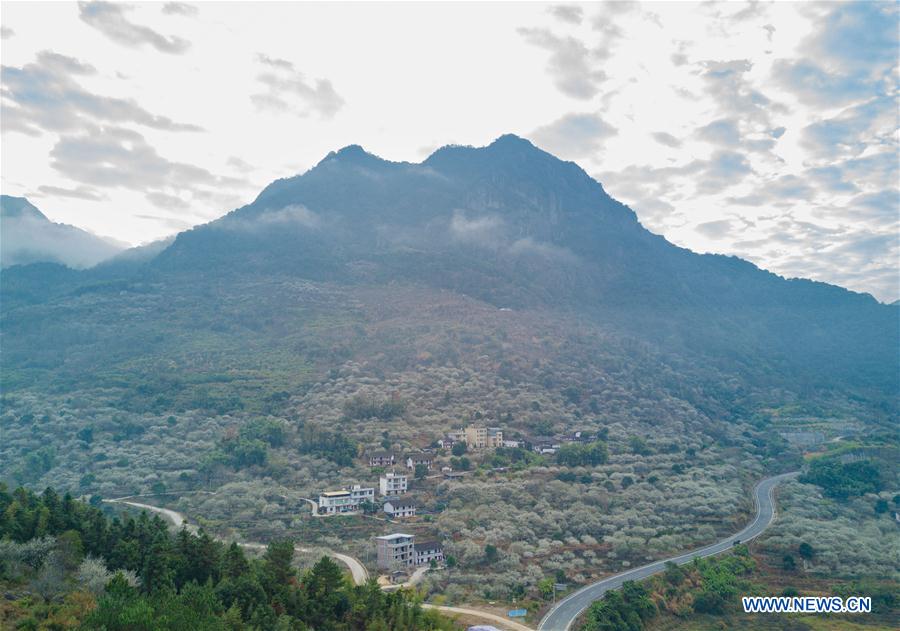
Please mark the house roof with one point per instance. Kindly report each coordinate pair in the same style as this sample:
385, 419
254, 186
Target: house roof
396, 535
429, 545
335, 493
402, 502
381, 454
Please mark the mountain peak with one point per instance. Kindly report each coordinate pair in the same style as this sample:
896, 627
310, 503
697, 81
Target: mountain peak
19, 207
28, 236
352, 152
513, 141
353, 155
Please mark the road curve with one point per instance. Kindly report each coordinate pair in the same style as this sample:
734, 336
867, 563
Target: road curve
357, 570
176, 518
564, 613
505, 623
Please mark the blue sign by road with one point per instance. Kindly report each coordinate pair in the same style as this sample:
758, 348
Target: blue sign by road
518, 613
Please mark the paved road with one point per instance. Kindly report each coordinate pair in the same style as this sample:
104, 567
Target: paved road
176, 518
505, 623
564, 613
357, 570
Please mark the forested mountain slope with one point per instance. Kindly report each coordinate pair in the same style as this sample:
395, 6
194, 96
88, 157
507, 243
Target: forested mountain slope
508, 226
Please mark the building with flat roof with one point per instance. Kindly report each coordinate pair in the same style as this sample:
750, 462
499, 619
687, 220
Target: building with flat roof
396, 551
393, 484
347, 500
478, 437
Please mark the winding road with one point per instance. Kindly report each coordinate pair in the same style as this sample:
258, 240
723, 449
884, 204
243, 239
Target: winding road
357, 570
564, 613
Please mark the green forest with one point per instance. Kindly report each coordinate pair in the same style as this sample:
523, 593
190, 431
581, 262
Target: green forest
80, 569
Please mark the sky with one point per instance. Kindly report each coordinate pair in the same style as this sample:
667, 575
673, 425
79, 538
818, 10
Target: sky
763, 130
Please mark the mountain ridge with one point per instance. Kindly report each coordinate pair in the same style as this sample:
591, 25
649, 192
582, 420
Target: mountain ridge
29, 236
509, 226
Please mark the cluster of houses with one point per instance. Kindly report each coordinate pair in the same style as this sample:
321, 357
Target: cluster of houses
354, 498
477, 437
391, 486
474, 437
400, 551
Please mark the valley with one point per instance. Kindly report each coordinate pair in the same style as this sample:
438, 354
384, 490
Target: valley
371, 306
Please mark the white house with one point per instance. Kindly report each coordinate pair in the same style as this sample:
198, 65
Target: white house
393, 484
400, 508
346, 500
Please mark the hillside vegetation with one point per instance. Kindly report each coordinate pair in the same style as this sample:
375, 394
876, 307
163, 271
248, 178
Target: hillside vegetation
375, 305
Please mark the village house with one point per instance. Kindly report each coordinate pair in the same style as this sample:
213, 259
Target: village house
381, 459
398, 551
400, 508
576, 437
414, 460
544, 444
393, 484
512, 444
447, 443
429, 551
478, 437
347, 500
395, 551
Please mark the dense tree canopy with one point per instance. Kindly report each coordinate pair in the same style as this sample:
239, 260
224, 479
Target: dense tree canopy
157, 580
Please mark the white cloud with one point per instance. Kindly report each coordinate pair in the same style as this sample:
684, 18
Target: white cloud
288, 90
574, 135
109, 18
795, 157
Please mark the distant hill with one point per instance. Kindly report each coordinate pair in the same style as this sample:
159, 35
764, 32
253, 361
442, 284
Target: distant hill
502, 226
28, 236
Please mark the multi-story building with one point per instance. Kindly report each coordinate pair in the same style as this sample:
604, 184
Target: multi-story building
400, 508
381, 459
429, 551
400, 551
413, 460
393, 484
456, 435
396, 551
347, 500
476, 437
483, 437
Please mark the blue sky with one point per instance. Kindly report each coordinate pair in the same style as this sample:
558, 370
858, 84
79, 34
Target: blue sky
766, 130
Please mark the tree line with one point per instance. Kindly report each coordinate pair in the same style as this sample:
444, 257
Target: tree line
153, 579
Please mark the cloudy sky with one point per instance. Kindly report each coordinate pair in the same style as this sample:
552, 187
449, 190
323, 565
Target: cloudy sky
766, 130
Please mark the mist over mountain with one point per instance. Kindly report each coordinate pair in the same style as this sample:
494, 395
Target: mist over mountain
506, 226
27, 236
